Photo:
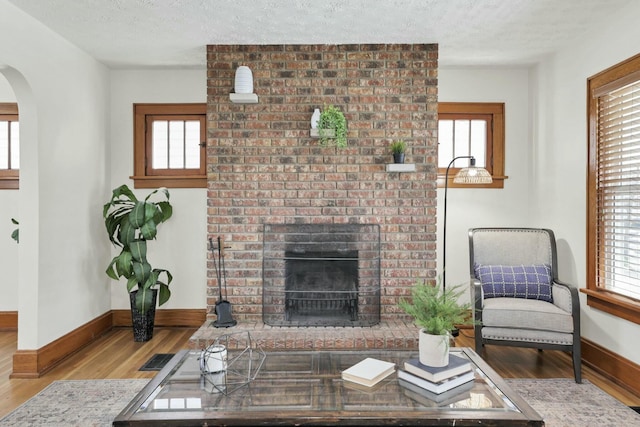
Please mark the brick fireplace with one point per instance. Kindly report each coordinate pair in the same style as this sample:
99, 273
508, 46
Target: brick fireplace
264, 167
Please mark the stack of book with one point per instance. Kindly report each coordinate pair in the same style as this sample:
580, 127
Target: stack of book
430, 386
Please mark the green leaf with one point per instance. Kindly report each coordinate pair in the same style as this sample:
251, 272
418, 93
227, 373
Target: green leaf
111, 271
127, 232
332, 118
166, 210
131, 283
136, 217
124, 264
150, 210
141, 271
124, 190
138, 250
149, 230
164, 293
113, 222
162, 190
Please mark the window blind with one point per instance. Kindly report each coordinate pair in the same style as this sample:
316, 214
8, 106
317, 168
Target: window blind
618, 190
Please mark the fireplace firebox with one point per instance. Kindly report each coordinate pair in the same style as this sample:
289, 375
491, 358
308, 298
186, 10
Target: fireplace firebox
321, 275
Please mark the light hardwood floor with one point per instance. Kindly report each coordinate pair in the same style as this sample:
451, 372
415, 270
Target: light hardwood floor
116, 355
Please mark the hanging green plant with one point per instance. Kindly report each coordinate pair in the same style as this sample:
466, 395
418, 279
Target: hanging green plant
332, 119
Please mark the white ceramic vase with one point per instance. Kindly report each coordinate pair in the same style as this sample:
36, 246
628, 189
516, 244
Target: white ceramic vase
213, 359
433, 349
315, 118
244, 80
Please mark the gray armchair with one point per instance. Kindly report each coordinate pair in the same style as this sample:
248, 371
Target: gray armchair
518, 300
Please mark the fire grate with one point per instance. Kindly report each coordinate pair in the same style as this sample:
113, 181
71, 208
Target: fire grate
321, 275
319, 304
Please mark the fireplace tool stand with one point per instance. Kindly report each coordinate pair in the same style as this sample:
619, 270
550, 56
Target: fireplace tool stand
223, 307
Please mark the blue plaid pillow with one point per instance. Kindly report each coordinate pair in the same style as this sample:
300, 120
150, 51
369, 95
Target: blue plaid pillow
515, 281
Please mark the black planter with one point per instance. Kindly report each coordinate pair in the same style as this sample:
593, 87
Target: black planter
398, 157
143, 323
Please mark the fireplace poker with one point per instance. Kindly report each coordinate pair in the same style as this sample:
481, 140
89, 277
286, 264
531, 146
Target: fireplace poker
223, 307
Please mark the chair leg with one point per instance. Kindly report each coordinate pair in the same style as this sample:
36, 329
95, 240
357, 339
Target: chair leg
478, 339
577, 367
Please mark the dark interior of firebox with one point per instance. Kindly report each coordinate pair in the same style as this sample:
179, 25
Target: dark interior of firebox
321, 286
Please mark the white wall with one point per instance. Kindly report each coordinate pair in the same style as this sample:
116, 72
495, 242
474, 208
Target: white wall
181, 245
8, 247
63, 97
561, 160
469, 207
72, 158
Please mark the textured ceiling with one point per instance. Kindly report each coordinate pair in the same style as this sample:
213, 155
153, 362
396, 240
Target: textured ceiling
174, 33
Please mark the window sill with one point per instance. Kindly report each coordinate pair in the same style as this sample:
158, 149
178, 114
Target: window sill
169, 182
9, 183
617, 305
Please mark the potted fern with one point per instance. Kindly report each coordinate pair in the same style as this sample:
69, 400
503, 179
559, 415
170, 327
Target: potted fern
130, 223
332, 127
437, 312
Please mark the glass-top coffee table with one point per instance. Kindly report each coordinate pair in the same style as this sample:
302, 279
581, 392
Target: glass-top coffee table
306, 388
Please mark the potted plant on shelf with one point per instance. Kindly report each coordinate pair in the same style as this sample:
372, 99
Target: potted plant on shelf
332, 127
398, 149
130, 224
436, 312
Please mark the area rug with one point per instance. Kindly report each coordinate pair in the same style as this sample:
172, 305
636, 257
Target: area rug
561, 402
76, 403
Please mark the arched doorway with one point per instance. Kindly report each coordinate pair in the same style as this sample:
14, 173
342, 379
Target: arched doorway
9, 208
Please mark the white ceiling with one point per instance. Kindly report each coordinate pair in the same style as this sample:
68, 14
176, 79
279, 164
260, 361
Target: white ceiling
174, 33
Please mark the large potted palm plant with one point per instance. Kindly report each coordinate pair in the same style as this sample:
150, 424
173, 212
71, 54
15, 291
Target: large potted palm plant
130, 224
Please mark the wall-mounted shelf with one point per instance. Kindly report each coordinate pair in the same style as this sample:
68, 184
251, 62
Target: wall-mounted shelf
401, 167
329, 133
243, 98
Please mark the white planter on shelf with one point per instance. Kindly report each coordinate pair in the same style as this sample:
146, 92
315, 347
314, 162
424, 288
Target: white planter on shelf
433, 349
244, 80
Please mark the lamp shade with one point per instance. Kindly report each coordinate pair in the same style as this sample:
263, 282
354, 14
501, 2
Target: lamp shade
473, 175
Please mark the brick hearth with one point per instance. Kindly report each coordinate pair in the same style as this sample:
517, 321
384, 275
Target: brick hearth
388, 334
